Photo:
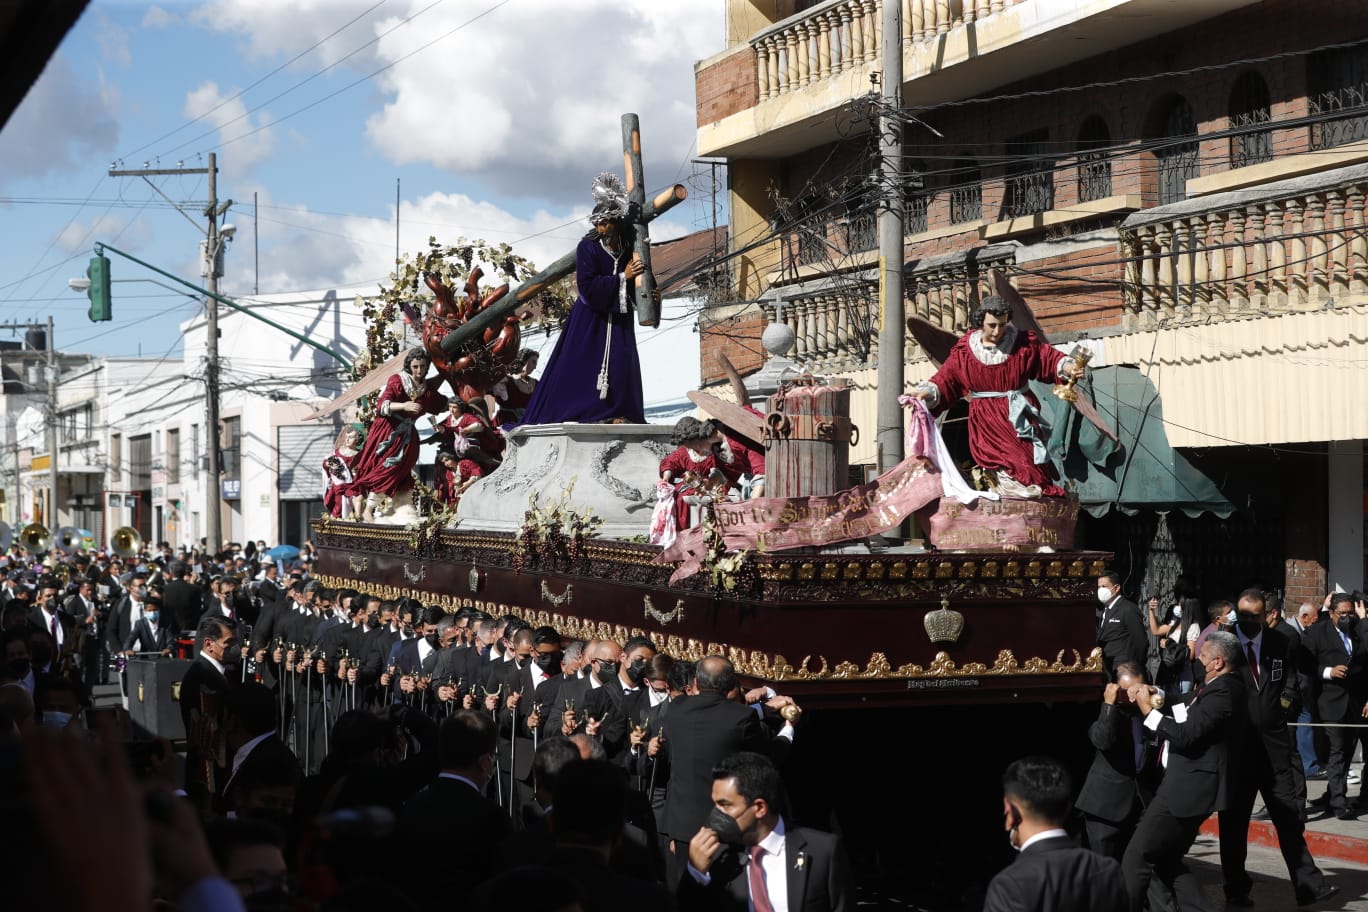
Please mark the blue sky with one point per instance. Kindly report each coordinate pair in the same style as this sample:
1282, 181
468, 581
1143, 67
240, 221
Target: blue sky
493, 114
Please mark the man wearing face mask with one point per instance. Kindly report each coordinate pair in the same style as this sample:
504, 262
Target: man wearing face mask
416, 660
1119, 631
747, 856
453, 812
1337, 649
1262, 760
17, 660
150, 633
1050, 873
1195, 751
1123, 775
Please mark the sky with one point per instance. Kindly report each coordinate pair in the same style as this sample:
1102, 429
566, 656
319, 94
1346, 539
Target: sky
493, 116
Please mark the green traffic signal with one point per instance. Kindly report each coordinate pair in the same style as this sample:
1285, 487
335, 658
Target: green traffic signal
101, 308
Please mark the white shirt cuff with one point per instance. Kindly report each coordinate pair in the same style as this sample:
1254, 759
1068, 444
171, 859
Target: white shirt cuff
1325, 673
787, 732
1153, 719
699, 876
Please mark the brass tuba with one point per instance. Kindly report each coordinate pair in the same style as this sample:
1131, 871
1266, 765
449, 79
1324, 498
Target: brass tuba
68, 540
125, 542
35, 538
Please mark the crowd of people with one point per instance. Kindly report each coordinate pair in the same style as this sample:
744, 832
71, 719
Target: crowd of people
329, 733
1200, 714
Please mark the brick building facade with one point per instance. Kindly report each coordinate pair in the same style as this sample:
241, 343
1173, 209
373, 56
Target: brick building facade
1185, 188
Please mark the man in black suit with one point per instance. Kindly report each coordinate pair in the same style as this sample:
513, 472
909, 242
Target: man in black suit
182, 599
203, 694
1122, 778
126, 611
268, 588
700, 732
150, 633
258, 761
47, 615
1051, 874
1339, 665
1197, 777
1262, 761
453, 813
1119, 631
746, 855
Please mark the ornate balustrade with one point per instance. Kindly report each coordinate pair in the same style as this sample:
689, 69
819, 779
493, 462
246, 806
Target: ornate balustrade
835, 327
839, 35
1274, 254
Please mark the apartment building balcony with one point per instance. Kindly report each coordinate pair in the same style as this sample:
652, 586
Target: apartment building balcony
777, 92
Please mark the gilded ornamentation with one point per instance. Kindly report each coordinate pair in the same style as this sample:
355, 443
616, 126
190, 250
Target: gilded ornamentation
415, 577
662, 617
944, 625
564, 598
358, 566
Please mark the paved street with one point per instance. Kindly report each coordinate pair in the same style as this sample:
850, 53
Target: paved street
1272, 891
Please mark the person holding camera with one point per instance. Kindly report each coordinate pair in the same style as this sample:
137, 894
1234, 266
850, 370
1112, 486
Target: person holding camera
747, 856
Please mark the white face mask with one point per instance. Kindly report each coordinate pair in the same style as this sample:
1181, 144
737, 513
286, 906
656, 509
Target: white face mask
658, 696
1230, 616
1104, 595
56, 719
1177, 611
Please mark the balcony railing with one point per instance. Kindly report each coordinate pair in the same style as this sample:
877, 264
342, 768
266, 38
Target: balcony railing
840, 35
1272, 255
834, 328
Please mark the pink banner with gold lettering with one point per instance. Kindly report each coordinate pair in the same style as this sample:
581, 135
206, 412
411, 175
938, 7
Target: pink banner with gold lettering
779, 523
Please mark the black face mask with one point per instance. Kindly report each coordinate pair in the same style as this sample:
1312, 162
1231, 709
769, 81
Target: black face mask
434, 640
549, 662
726, 828
636, 671
1347, 623
372, 623
1250, 627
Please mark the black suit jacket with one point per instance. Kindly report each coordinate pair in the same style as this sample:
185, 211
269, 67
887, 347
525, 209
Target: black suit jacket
1197, 778
699, 732
465, 825
184, 603
147, 640
269, 754
1113, 783
1122, 636
1054, 875
1337, 699
1266, 735
819, 877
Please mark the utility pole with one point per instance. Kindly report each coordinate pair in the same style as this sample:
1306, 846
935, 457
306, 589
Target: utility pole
53, 417
892, 324
214, 494
213, 511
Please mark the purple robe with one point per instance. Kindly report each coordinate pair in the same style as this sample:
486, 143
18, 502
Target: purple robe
568, 389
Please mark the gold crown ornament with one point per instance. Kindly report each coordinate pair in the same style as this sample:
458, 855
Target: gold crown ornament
944, 625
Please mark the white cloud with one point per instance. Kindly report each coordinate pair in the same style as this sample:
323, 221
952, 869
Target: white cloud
234, 124
158, 18
62, 122
526, 100
112, 39
81, 235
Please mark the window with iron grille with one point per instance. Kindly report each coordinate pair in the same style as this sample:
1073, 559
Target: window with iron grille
1030, 174
1337, 89
915, 198
862, 223
1094, 163
1177, 159
1250, 108
966, 192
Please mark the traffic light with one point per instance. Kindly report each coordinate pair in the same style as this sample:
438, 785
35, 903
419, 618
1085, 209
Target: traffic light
98, 273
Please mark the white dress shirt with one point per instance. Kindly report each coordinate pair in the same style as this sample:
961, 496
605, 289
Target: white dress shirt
48, 618
774, 865
1042, 836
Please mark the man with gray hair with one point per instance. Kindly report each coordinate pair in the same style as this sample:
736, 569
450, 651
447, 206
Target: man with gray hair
1196, 779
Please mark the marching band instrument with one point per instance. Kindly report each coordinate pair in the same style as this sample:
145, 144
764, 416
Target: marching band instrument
125, 542
35, 538
68, 540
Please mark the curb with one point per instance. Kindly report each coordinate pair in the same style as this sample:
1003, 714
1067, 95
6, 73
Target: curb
1322, 845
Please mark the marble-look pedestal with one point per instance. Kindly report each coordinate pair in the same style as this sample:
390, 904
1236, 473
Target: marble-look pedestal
614, 468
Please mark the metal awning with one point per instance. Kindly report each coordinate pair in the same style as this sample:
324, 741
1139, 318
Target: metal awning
1141, 470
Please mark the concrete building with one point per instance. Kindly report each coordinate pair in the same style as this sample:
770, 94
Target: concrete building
1182, 184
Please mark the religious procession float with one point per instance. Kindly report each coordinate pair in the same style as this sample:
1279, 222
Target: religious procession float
580, 515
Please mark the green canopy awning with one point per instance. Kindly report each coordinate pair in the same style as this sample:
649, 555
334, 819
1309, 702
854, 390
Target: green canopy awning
1141, 471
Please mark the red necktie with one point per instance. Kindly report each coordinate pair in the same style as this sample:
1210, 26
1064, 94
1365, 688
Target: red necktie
756, 875
1253, 662
53, 631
